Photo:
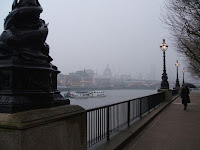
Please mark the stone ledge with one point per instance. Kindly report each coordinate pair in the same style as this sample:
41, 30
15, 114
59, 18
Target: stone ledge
32, 118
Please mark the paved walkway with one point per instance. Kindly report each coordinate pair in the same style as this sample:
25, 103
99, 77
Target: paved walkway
173, 129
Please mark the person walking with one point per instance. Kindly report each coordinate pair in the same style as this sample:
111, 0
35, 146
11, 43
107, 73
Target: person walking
185, 96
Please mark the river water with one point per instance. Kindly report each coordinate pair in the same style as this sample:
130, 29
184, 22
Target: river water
113, 96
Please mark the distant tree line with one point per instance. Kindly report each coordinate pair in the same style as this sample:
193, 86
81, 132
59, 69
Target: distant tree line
182, 17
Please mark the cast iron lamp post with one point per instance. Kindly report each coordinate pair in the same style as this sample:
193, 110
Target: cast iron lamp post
177, 80
164, 83
183, 77
28, 79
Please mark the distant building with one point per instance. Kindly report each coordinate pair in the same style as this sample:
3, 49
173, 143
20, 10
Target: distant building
83, 78
61, 80
125, 76
91, 73
107, 72
152, 72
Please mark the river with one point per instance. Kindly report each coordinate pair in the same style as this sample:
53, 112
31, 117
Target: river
113, 96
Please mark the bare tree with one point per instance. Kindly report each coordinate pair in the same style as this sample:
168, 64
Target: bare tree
182, 17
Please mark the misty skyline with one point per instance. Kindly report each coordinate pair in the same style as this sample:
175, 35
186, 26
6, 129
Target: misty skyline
91, 34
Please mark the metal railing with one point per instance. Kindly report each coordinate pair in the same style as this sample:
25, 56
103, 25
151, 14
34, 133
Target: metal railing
103, 121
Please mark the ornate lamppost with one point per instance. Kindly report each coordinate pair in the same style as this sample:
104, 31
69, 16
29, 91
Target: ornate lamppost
183, 77
177, 80
28, 79
164, 83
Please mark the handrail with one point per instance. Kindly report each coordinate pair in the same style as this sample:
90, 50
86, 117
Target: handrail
105, 120
119, 102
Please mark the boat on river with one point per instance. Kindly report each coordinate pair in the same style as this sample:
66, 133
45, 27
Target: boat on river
97, 94
68, 94
81, 95
85, 94
77, 94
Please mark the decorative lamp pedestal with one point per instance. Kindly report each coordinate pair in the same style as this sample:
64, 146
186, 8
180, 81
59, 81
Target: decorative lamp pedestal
28, 80
28, 86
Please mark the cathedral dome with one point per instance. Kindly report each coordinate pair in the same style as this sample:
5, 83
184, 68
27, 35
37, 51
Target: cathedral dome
107, 72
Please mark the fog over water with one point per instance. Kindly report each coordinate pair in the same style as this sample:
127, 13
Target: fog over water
90, 34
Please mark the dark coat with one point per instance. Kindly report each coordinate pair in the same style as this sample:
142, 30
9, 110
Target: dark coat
185, 95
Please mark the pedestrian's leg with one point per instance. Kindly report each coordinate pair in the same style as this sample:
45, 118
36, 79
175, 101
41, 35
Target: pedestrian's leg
186, 106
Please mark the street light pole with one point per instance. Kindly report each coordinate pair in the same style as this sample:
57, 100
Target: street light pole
177, 80
164, 83
183, 77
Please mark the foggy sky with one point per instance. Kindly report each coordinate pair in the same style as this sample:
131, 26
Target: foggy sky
126, 34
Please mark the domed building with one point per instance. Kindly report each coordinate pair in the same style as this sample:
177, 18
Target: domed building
107, 72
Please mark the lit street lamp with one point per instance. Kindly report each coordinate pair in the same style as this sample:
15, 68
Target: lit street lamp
177, 80
164, 83
183, 77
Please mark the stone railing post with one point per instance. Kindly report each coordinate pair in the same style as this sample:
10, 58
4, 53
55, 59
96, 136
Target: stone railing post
168, 94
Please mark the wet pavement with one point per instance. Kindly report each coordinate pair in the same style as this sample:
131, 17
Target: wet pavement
173, 129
